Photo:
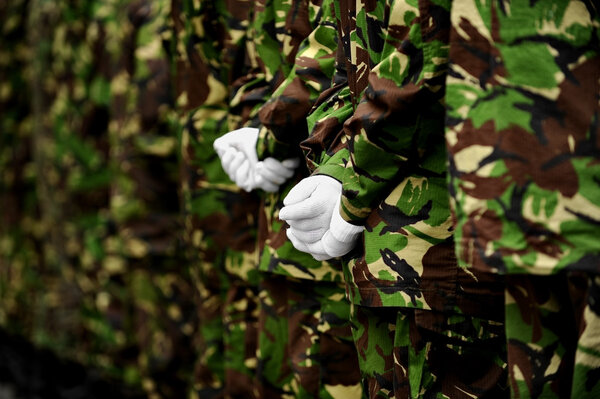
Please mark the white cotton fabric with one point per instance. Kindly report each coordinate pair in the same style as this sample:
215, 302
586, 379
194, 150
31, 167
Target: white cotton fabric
237, 151
316, 227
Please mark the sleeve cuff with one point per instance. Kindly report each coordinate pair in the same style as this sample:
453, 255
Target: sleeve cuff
334, 166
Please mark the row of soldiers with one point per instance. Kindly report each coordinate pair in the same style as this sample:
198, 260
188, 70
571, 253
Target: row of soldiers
91, 263
455, 142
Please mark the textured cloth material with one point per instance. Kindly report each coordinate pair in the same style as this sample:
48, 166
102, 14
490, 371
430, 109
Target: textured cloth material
414, 353
523, 136
552, 325
381, 133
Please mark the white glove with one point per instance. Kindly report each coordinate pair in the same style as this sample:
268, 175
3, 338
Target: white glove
237, 151
237, 167
309, 205
341, 236
315, 249
316, 227
272, 171
243, 139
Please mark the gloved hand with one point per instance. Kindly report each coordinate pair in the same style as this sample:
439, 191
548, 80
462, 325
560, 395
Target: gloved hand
316, 227
309, 205
237, 151
243, 140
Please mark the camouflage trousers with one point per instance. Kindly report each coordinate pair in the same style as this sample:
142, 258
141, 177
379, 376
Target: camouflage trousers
241, 339
553, 335
305, 341
226, 344
414, 353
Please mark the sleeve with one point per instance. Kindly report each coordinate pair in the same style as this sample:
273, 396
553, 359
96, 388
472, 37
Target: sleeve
325, 148
397, 128
274, 37
211, 47
283, 117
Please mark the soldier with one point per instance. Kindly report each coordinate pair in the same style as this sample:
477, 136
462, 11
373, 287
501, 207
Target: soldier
220, 221
423, 325
98, 244
305, 347
522, 133
144, 203
101, 294
70, 78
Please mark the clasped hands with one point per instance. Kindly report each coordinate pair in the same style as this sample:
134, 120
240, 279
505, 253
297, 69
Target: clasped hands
311, 207
316, 226
237, 151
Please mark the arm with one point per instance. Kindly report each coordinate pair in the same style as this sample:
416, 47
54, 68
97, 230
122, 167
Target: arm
283, 117
394, 130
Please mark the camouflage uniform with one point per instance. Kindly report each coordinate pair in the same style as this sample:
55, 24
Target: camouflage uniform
100, 298
71, 311
424, 326
70, 148
144, 203
305, 347
522, 134
220, 221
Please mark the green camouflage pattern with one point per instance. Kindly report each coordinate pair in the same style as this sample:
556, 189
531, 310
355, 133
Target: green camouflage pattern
394, 70
274, 371
144, 203
414, 353
522, 134
522, 137
240, 339
275, 32
305, 346
379, 146
283, 117
83, 317
277, 93
84, 277
59, 282
552, 327
220, 219
379, 130
325, 148
283, 126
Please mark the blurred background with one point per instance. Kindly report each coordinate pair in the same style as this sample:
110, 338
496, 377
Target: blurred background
95, 296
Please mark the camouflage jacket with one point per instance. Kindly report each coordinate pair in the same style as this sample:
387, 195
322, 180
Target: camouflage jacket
274, 35
523, 135
390, 159
78, 308
290, 58
144, 201
283, 117
220, 218
96, 133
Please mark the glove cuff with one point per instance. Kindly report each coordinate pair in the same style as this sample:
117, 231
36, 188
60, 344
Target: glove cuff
340, 229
